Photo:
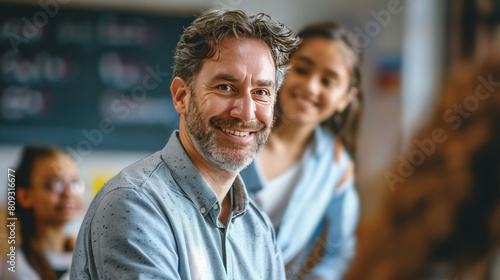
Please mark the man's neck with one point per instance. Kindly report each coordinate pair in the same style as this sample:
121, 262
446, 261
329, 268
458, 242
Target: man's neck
218, 179
225, 210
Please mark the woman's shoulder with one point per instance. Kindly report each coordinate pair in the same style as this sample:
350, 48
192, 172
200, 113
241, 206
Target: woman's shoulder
339, 156
20, 269
60, 261
327, 138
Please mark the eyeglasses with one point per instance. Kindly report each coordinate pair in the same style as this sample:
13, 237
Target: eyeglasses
76, 187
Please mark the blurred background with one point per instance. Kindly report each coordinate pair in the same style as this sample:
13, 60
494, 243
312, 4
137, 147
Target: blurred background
93, 76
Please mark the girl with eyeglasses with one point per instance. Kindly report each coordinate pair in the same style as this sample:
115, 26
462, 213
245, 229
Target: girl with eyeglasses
48, 195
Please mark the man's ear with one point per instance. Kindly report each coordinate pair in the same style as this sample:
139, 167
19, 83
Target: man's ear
346, 99
24, 197
180, 91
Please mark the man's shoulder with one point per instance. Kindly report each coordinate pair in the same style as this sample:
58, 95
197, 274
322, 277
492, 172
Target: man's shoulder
149, 173
148, 179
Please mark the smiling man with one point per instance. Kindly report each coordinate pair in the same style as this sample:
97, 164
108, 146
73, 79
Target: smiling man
183, 212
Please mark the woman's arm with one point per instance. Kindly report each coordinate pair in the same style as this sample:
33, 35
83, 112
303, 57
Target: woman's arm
339, 241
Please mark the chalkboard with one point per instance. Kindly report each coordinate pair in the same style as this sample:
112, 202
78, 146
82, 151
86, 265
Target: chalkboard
87, 79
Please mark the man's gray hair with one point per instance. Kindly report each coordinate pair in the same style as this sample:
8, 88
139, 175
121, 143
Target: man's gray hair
203, 37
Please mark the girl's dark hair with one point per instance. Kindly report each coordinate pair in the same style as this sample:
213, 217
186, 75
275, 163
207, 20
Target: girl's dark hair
345, 124
33, 252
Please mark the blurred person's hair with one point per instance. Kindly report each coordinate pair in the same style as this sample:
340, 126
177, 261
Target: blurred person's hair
344, 124
34, 253
202, 38
446, 214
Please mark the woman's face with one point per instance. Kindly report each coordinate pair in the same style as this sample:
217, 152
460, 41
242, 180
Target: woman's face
317, 85
55, 192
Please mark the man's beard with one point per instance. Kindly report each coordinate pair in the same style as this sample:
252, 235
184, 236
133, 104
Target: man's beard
226, 158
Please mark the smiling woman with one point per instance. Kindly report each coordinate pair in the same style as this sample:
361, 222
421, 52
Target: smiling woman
49, 193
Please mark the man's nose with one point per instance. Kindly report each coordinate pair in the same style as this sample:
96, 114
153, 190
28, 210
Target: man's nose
244, 107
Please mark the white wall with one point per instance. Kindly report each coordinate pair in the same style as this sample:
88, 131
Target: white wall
424, 50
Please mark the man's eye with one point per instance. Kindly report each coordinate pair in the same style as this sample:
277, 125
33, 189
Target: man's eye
261, 92
224, 87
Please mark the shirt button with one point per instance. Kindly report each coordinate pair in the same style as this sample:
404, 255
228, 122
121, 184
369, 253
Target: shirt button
202, 210
215, 206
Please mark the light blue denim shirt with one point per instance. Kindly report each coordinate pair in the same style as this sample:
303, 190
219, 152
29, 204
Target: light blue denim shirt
317, 204
158, 219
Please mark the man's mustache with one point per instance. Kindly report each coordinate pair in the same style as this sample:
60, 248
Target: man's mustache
237, 124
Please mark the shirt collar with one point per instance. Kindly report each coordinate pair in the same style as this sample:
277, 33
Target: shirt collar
192, 183
240, 197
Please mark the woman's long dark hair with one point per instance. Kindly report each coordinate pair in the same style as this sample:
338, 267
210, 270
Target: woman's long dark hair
447, 210
33, 252
344, 124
